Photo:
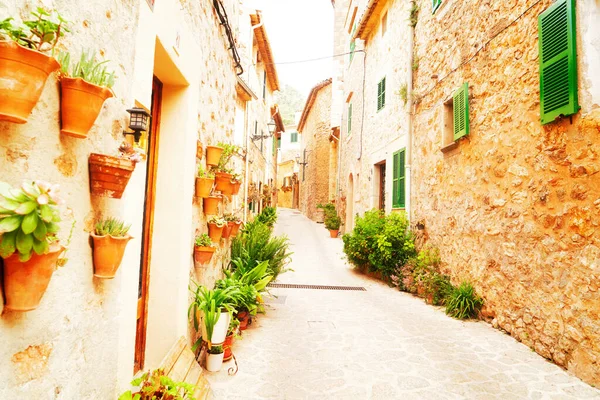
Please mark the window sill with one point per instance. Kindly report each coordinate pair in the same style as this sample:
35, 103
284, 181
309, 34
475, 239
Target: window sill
449, 147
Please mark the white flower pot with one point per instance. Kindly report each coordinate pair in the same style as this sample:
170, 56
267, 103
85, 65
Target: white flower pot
220, 330
214, 362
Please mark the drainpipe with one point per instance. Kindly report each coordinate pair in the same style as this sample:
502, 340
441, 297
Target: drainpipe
411, 46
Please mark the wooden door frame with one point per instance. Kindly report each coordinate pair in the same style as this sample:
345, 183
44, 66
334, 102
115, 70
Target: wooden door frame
148, 225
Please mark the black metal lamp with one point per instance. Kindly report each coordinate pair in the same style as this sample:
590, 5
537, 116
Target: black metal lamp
138, 122
272, 126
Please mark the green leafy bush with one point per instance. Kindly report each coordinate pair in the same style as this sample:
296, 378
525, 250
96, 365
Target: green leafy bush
362, 241
421, 275
268, 216
332, 220
463, 302
157, 385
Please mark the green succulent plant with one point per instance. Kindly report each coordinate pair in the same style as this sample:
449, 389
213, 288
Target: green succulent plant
202, 173
29, 219
217, 221
87, 68
111, 226
215, 350
41, 33
203, 240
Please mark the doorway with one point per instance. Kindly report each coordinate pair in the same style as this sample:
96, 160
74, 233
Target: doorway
148, 223
380, 173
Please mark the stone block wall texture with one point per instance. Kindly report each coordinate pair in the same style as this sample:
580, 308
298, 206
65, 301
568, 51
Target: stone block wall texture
79, 342
514, 208
284, 198
314, 187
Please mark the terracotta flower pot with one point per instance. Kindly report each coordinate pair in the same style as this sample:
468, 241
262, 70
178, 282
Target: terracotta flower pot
109, 175
23, 74
80, 104
243, 316
199, 150
211, 205
26, 282
226, 231
203, 254
215, 232
235, 228
223, 183
108, 254
204, 186
213, 155
334, 233
236, 185
227, 345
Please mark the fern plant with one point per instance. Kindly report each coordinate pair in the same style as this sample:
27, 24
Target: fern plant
463, 302
87, 68
111, 226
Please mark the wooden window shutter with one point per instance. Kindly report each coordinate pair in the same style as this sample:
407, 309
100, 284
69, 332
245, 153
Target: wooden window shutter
461, 111
558, 61
401, 179
395, 169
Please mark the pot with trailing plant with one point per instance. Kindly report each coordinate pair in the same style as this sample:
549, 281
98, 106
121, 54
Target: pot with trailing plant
109, 175
211, 204
215, 228
205, 181
24, 63
109, 240
29, 220
214, 358
232, 332
84, 86
203, 249
213, 155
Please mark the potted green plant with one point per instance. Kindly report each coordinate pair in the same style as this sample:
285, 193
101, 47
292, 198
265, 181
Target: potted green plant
211, 204
204, 182
229, 219
24, 68
109, 239
213, 155
29, 219
224, 178
203, 249
214, 358
84, 86
215, 228
211, 311
157, 385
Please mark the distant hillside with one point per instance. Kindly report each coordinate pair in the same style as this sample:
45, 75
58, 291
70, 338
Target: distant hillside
290, 102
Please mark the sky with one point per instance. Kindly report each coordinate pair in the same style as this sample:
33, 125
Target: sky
299, 30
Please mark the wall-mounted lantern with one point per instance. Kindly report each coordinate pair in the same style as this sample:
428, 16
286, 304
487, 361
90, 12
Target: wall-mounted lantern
138, 122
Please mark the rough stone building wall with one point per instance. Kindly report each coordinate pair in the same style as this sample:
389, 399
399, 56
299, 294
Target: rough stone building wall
286, 169
314, 186
514, 208
79, 343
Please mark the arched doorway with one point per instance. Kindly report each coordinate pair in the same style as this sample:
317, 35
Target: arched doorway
350, 205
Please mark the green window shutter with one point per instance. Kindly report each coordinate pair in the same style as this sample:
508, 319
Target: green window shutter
461, 111
349, 118
395, 164
436, 5
352, 43
381, 94
558, 61
399, 179
294, 137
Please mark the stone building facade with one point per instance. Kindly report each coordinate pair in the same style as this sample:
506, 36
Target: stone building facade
287, 167
315, 129
84, 339
512, 206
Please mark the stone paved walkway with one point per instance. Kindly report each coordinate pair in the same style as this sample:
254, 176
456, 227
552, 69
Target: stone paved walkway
378, 344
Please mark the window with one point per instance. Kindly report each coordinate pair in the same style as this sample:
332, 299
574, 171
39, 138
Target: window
381, 94
399, 180
460, 106
349, 118
558, 61
279, 143
264, 84
294, 137
384, 24
352, 43
435, 6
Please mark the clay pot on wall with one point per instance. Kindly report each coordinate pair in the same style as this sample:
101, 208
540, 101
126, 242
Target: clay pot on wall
23, 74
80, 104
204, 187
236, 185
215, 232
235, 228
199, 150
334, 233
203, 254
211, 205
223, 183
108, 254
26, 282
226, 231
109, 175
213, 155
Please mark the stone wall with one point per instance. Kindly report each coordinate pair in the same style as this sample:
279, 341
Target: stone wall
285, 198
514, 208
314, 180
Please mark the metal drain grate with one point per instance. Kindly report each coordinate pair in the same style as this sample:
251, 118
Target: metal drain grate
321, 287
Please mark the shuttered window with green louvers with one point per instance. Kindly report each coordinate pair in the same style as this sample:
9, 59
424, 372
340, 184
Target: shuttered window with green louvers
558, 61
399, 179
381, 94
460, 105
436, 5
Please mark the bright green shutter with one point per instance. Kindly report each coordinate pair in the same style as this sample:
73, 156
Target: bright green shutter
352, 43
435, 6
401, 179
558, 61
349, 118
461, 111
395, 169
381, 94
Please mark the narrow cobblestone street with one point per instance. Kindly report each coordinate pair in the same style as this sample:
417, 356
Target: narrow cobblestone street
375, 344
